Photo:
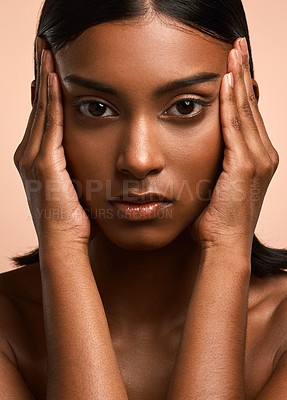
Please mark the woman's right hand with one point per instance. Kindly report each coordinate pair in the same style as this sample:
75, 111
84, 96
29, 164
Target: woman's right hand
40, 159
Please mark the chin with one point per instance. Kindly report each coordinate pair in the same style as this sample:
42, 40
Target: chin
140, 239
139, 245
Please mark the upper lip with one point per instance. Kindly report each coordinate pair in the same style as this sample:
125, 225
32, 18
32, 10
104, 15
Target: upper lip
133, 197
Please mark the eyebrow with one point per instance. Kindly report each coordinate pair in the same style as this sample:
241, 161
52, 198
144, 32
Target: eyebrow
168, 87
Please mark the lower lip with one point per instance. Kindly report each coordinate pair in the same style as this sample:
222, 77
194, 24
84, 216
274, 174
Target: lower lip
141, 211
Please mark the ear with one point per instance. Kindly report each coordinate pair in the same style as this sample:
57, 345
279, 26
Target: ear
39, 46
255, 89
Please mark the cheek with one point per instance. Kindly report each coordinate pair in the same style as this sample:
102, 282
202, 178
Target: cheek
200, 156
90, 161
88, 151
199, 163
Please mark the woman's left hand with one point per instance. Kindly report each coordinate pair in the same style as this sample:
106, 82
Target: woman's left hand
249, 164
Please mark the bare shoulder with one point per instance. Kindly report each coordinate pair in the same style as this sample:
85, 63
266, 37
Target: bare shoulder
22, 335
268, 296
270, 292
278, 320
20, 306
22, 283
268, 310
266, 341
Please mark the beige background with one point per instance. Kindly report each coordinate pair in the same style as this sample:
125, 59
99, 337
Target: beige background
18, 19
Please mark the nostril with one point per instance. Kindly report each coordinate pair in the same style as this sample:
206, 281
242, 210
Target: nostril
139, 171
139, 166
132, 173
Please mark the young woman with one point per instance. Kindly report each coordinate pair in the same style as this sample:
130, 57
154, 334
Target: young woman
145, 163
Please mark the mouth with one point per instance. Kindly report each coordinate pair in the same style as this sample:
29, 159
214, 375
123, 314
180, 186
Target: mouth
139, 207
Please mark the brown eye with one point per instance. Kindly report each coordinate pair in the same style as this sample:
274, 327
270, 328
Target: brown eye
95, 109
186, 108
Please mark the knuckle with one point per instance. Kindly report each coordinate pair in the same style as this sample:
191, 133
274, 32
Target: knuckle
40, 107
16, 157
59, 123
253, 99
53, 120
246, 65
240, 74
266, 167
39, 165
24, 164
42, 166
245, 109
275, 159
230, 98
248, 167
56, 120
49, 121
236, 122
35, 102
270, 163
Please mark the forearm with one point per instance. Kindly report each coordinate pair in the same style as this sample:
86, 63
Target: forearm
210, 361
81, 360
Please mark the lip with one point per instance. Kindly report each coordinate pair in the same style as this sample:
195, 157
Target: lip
134, 197
140, 207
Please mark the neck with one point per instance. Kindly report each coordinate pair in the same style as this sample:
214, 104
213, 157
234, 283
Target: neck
145, 287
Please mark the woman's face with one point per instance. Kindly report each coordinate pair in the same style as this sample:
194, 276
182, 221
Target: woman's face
141, 105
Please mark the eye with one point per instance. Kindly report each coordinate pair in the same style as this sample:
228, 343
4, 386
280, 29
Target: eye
93, 108
187, 108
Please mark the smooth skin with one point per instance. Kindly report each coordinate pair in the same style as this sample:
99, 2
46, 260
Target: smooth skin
103, 316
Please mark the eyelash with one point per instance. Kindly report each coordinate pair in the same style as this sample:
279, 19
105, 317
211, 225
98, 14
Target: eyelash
194, 101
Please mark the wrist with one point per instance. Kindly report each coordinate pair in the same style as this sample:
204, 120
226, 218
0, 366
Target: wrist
230, 246
227, 258
228, 250
54, 246
60, 234
64, 258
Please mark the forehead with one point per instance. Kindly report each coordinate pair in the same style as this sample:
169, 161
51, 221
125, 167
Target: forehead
155, 49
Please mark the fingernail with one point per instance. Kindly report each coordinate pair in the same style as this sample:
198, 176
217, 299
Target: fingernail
50, 79
243, 46
43, 56
38, 48
239, 56
230, 79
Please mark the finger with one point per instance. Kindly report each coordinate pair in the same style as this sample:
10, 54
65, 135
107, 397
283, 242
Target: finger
249, 127
22, 153
230, 120
246, 69
34, 132
241, 45
41, 44
35, 83
236, 153
37, 130
35, 86
53, 133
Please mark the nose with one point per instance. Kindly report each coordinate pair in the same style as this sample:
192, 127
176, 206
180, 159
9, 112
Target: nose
140, 152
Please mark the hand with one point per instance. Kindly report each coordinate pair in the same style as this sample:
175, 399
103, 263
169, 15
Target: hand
53, 201
249, 164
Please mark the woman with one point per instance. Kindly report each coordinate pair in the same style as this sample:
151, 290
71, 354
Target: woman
145, 163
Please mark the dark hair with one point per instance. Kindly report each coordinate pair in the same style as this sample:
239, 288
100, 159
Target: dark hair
62, 21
